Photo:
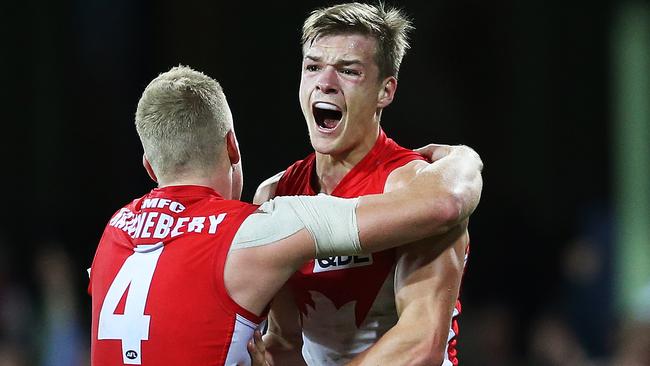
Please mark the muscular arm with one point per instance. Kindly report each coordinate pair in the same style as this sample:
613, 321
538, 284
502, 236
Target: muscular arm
427, 281
440, 196
426, 289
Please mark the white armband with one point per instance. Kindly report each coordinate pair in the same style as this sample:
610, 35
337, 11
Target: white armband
331, 222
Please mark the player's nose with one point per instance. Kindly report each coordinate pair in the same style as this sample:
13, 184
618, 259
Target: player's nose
327, 81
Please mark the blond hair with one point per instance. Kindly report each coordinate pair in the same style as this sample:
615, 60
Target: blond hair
182, 120
389, 26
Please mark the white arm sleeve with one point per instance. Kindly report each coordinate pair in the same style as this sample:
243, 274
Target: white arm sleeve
331, 222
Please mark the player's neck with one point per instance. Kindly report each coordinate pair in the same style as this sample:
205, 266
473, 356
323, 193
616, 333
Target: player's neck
332, 168
221, 184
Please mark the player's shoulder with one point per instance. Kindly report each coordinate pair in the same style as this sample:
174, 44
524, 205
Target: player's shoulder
400, 163
286, 182
266, 190
394, 155
400, 176
399, 152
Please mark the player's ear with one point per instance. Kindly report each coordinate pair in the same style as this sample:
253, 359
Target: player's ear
233, 147
148, 168
387, 92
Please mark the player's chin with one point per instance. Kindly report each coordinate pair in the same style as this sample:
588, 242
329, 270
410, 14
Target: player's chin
323, 144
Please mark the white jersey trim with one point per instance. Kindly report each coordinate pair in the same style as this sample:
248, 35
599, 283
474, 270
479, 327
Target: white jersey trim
237, 352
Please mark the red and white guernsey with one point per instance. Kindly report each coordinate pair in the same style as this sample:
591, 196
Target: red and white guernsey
158, 293
348, 302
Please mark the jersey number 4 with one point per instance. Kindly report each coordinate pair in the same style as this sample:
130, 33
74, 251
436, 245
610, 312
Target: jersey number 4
132, 327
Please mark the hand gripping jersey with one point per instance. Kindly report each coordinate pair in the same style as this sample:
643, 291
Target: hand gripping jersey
158, 293
348, 302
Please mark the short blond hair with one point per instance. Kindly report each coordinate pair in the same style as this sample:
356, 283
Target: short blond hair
182, 120
389, 26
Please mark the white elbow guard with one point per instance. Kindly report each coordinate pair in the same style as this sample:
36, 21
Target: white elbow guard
331, 222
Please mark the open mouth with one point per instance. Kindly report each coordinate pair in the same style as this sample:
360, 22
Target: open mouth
326, 115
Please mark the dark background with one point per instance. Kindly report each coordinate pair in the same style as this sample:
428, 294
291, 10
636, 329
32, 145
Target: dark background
527, 84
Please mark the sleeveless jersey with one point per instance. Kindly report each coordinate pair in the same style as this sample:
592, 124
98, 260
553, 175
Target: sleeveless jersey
158, 293
347, 303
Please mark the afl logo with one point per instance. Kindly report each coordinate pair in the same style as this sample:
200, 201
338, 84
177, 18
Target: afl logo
131, 354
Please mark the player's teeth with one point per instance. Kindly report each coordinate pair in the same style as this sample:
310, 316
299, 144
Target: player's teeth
322, 105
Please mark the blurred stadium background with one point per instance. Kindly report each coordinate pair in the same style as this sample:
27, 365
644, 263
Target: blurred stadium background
554, 94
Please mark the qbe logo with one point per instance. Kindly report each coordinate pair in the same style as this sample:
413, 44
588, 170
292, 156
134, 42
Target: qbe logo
341, 262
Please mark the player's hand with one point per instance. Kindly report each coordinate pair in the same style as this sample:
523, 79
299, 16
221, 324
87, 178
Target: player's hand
257, 350
434, 152
468, 153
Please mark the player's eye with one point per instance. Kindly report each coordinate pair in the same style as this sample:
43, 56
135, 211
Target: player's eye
350, 72
312, 68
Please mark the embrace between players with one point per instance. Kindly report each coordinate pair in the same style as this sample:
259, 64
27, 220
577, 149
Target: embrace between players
185, 274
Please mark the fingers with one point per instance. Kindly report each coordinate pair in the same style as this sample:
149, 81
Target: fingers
434, 152
257, 350
259, 343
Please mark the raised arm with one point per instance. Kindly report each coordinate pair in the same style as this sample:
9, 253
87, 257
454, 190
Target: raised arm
441, 196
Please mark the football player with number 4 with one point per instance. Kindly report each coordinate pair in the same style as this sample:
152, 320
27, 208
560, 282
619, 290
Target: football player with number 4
185, 274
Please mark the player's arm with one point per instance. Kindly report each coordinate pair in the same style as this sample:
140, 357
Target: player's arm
283, 339
440, 196
428, 276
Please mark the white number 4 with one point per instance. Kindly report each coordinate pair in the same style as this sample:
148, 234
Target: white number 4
132, 327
